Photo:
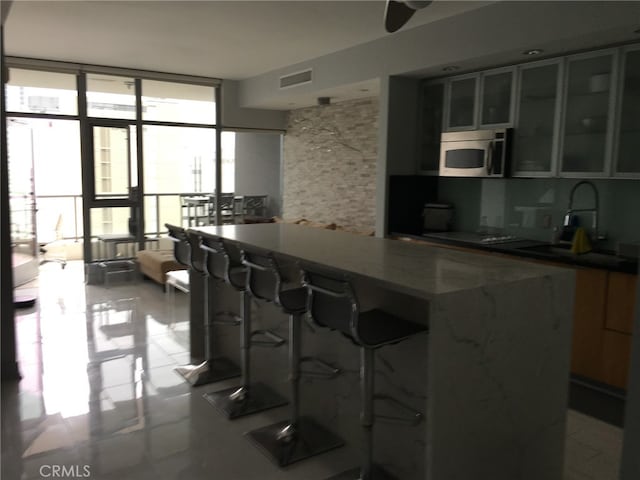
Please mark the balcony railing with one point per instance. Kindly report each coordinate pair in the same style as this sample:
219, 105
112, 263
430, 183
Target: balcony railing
59, 217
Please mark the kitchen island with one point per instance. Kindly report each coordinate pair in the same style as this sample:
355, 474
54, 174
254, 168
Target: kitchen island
491, 376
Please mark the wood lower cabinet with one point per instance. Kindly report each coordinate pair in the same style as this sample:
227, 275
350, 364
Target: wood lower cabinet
616, 344
603, 318
588, 322
621, 293
602, 325
616, 357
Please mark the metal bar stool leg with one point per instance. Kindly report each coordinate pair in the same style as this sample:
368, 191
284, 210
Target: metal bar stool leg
368, 470
249, 397
367, 384
299, 437
212, 369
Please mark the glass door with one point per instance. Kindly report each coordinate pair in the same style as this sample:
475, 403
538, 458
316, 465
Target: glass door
627, 162
587, 126
462, 105
497, 89
535, 135
24, 248
113, 223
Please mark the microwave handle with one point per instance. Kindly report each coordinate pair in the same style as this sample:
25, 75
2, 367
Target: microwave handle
489, 161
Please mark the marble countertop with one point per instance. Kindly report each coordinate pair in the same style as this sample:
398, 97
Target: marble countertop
420, 270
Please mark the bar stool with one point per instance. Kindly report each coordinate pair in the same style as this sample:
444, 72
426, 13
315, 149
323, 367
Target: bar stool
299, 437
333, 304
213, 369
250, 397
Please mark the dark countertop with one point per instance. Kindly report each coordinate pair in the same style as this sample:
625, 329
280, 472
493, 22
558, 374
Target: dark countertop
527, 249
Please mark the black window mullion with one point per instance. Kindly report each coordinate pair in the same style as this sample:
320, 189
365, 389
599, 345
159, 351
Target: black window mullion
86, 165
218, 158
140, 166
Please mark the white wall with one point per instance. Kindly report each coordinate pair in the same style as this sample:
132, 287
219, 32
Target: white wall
258, 167
490, 35
235, 115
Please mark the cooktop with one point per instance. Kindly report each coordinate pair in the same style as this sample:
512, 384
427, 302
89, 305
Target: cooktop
469, 237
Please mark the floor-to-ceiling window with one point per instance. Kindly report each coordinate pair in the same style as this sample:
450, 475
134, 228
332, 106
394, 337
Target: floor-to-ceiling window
43, 139
114, 152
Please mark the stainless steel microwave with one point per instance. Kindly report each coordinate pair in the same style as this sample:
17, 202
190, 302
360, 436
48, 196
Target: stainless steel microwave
475, 153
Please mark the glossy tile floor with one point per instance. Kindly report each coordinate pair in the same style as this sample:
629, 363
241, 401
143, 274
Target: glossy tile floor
99, 398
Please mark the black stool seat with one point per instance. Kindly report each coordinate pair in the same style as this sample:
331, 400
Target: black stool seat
293, 301
377, 328
238, 277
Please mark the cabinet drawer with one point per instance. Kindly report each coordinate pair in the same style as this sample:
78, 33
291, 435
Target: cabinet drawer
616, 356
621, 295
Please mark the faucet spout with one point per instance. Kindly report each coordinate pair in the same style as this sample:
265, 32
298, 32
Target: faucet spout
594, 209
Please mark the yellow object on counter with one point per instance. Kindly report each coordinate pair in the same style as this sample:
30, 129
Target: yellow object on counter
580, 243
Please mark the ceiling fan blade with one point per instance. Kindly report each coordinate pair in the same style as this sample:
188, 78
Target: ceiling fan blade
398, 12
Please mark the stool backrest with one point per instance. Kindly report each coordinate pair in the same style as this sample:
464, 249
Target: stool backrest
216, 260
219, 261
197, 254
181, 247
263, 276
332, 302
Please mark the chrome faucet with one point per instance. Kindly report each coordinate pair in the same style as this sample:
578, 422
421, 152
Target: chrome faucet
593, 210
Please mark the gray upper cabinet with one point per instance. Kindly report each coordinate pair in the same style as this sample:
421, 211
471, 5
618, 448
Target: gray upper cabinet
627, 156
587, 129
496, 92
576, 116
431, 119
537, 118
462, 104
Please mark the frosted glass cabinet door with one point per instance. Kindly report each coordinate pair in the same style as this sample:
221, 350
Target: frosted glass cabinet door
496, 98
628, 161
431, 104
462, 103
536, 123
587, 111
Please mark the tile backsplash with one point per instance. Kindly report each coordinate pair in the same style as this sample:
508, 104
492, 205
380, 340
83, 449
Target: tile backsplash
530, 208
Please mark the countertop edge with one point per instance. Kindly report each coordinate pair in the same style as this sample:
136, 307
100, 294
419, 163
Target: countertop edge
623, 266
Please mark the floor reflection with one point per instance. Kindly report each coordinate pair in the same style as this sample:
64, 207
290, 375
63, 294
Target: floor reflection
99, 391
92, 359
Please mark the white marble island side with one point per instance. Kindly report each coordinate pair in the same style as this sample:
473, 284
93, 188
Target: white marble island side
491, 375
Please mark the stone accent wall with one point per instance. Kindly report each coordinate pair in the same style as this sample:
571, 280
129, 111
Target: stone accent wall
330, 164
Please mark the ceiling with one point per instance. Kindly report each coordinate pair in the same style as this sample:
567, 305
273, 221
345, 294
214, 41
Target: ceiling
249, 40
222, 39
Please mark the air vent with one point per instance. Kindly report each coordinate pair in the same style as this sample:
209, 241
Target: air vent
295, 79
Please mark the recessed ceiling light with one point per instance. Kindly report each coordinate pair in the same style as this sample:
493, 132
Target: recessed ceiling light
533, 51
364, 89
451, 68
